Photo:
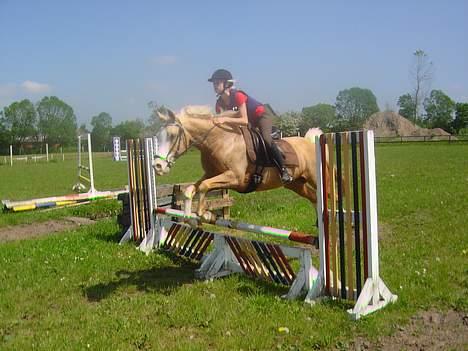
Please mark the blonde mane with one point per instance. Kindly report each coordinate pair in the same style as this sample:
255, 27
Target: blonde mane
197, 111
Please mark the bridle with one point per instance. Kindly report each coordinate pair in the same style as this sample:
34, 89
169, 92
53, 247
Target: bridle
181, 137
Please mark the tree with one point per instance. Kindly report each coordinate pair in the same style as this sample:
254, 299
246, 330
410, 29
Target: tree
101, 133
276, 119
82, 129
421, 73
439, 110
460, 123
129, 129
289, 123
406, 106
4, 135
57, 121
20, 120
320, 115
154, 122
354, 106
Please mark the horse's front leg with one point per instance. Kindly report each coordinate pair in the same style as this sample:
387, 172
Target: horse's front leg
226, 180
188, 195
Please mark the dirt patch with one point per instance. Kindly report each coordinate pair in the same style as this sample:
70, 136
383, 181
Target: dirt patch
428, 330
27, 231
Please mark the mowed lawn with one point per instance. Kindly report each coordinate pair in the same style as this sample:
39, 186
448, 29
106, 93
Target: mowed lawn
81, 290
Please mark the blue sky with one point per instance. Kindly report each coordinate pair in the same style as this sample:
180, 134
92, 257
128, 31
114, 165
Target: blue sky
116, 56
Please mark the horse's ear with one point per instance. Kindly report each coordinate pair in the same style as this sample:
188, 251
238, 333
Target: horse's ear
162, 116
171, 115
167, 117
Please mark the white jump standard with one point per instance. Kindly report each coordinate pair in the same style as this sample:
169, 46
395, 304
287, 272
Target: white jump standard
85, 172
349, 198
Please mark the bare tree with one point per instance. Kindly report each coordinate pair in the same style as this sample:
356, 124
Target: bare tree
421, 74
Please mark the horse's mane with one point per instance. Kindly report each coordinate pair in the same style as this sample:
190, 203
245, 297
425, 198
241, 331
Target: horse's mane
197, 111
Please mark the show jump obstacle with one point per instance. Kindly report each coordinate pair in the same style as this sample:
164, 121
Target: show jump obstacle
85, 182
347, 220
347, 241
85, 171
118, 154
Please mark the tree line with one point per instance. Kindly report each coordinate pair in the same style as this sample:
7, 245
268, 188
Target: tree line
422, 106
355, 106
29, 126
24, 124
51, 120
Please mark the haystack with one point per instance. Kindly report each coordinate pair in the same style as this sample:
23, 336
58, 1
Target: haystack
391, 124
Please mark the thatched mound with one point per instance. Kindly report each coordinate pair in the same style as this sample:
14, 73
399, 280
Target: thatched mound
391, 124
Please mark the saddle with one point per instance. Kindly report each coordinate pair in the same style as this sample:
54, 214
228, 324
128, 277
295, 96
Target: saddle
258, 154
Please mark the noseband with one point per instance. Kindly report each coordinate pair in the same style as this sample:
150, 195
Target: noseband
169, 158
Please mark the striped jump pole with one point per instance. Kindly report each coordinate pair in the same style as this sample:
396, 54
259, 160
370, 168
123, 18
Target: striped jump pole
253, 228
142, 193
348, 233
230, 254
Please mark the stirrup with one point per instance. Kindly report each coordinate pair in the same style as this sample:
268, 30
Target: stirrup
285, 177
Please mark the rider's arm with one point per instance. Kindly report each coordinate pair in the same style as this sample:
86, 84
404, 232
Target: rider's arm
236, 117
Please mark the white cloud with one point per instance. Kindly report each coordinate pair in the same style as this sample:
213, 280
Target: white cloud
35, 87
165, 60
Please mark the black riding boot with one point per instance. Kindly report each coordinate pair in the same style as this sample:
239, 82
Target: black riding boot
279, 161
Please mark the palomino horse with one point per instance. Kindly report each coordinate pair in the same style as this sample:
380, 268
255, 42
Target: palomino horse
224, 158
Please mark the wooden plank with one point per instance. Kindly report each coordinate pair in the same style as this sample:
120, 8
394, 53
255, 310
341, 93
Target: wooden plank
348, 209
333, 241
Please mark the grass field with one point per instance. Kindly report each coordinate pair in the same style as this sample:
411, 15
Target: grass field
80, 290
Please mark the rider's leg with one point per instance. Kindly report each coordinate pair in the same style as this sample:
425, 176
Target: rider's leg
265, 126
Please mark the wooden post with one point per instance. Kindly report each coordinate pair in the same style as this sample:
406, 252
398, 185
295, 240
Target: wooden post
226, 209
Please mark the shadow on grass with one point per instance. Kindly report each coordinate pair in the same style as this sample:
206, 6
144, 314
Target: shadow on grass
163, 280
113, 237
166, 280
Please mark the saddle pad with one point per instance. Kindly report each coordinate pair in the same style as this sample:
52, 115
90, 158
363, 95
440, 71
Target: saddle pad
289, 155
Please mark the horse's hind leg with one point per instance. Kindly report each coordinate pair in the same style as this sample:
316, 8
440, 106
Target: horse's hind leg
301, 188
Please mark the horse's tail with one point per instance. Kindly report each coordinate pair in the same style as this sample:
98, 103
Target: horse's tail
310, 136
312, 133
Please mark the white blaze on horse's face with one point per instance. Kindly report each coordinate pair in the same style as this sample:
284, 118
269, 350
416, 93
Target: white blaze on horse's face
168, 148
160, 164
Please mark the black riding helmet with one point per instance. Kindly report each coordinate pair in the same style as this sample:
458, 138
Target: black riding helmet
221, 74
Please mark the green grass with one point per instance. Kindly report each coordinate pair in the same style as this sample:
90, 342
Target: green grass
80, 290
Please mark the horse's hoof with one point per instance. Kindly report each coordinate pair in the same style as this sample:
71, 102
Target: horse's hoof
208, 217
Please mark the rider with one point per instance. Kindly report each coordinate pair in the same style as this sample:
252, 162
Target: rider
247, 111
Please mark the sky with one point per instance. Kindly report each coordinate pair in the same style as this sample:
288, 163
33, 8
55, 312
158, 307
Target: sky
117, 56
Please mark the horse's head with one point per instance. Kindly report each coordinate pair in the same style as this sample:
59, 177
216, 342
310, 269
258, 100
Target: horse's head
173, 141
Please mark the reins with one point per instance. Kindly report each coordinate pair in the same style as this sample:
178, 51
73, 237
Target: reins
181, 134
